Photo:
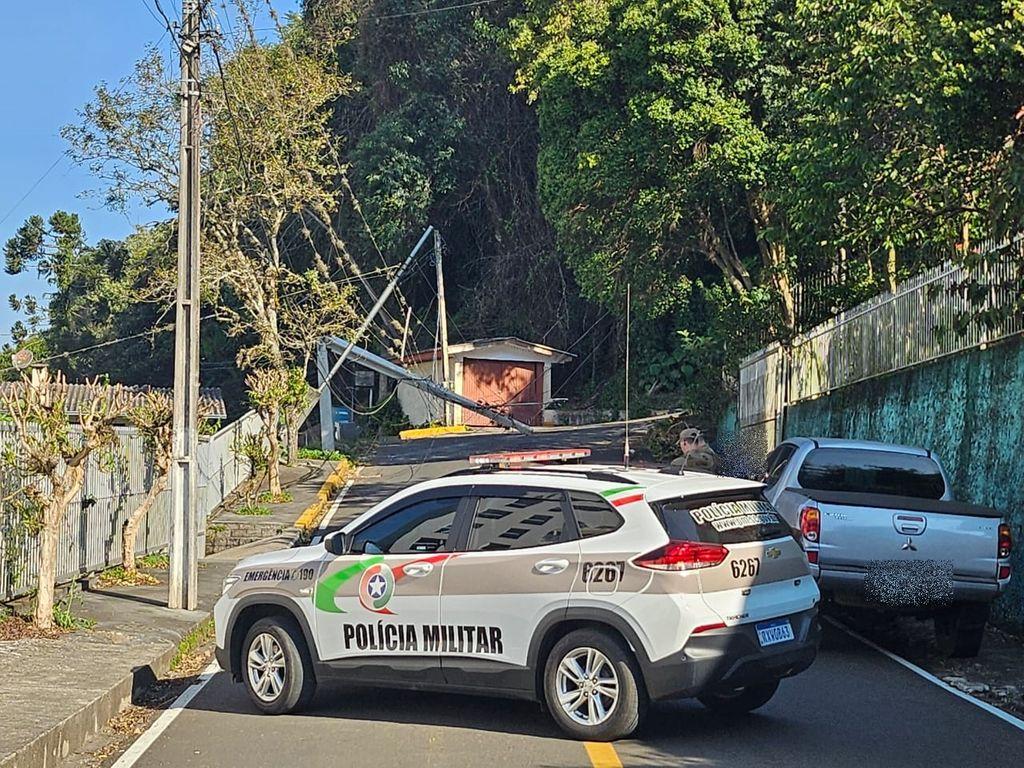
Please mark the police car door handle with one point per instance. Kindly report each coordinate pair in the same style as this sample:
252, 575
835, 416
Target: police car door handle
550, 567
418, 569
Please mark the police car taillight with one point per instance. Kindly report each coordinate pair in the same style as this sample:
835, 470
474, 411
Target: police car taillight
683, 556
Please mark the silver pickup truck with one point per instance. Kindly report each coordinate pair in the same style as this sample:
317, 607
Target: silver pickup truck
881, 530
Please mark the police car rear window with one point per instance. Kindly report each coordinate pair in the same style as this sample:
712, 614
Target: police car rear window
723, 520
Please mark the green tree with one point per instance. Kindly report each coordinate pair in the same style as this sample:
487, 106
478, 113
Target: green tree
903, 117
271, 243
655, 153
97, 295
433, 133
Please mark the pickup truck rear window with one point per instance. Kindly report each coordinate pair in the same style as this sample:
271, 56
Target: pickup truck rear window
872, 471
725, 520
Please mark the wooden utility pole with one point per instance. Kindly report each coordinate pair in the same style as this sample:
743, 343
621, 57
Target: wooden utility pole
442, 322
184, 559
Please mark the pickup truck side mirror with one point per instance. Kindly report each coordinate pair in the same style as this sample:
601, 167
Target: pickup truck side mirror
339, 543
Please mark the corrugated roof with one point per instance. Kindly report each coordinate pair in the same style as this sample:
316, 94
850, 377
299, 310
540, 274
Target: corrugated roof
210, 398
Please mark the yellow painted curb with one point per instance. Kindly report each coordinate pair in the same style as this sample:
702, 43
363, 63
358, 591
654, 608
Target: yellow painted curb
413, 434
311, 515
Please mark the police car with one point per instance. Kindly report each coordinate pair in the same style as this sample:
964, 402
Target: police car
592, 589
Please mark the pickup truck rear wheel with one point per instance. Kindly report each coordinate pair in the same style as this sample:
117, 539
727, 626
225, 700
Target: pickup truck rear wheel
959, 630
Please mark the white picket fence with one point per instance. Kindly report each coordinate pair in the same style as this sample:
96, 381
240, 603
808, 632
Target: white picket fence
923, 320
90, 537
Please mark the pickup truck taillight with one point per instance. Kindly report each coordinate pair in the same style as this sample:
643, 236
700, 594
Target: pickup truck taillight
1005, 541
810, 523
682, 556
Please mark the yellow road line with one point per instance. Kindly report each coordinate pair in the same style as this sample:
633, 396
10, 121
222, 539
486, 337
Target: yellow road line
602, 754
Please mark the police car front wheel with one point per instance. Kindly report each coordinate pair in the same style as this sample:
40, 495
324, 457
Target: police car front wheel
278, 673
592, 686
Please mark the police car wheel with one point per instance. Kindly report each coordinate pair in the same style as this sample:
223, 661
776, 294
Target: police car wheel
277, 670
592, 686
740, 700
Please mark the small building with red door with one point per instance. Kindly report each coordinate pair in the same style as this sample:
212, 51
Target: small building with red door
507, 373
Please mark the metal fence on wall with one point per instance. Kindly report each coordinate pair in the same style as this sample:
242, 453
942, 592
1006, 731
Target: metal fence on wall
90, 536
943, 311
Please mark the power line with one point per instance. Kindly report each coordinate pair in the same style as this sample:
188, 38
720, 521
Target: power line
439, 9
32, 189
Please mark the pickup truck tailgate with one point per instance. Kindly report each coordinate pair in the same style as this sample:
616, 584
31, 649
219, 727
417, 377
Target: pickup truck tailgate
860, 529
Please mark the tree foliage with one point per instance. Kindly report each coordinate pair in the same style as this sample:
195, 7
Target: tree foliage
903, 124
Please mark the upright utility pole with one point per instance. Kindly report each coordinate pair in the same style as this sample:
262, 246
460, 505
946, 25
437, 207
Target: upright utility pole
182, 586
625, 448
442, 321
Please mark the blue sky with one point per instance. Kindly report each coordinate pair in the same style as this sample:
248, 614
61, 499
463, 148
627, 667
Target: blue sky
54, 52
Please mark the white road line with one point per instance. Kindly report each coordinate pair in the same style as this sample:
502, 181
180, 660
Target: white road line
145, 741
334, 507
992, 710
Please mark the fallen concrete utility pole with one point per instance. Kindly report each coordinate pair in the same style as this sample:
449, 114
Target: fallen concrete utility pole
323, 391
394, 371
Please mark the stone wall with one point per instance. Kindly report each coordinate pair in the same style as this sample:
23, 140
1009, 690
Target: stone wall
968, 408
225, 533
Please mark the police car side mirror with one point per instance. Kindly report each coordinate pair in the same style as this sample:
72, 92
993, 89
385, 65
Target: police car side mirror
339, 543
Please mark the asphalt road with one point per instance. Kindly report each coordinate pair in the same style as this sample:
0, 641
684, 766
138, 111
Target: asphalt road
854, 707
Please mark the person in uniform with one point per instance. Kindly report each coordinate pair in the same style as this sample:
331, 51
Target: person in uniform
695, 454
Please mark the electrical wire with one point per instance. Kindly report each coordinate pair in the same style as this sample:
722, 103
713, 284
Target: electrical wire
438, 9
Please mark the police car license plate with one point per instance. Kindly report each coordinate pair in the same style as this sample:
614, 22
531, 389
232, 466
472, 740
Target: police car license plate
772, 632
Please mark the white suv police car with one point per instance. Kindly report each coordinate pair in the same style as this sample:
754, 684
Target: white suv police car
591, 589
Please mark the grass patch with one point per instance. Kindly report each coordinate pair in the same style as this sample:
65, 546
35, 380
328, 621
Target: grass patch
252, 510
64, 616
191, 642
119, 577
153, 560
275, 498
321, 455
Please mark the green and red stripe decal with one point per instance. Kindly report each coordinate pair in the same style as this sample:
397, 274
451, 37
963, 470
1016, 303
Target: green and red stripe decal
624, 494
327, 588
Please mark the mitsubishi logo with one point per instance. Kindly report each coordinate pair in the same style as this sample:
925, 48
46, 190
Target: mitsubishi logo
909, 545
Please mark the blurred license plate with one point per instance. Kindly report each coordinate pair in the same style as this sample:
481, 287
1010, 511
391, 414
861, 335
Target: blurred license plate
772, 632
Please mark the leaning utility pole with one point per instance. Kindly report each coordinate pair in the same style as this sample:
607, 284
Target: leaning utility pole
184, 559
442, 323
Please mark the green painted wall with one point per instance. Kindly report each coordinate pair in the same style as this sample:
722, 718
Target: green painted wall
969, 408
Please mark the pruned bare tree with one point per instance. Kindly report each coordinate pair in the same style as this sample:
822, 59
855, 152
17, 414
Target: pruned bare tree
51, 454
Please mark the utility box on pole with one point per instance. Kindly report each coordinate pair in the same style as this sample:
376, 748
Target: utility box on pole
184, 557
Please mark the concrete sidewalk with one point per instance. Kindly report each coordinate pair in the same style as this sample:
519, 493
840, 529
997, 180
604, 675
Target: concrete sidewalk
58, 692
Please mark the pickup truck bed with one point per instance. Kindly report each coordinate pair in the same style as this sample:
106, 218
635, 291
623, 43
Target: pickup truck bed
880, 529
904, 553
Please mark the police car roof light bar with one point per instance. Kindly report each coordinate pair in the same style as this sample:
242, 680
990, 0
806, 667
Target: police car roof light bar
516, 459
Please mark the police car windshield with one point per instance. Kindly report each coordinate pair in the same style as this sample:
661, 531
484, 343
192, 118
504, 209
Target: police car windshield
722, 519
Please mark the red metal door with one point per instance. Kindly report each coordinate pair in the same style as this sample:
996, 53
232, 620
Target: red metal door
503, 384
